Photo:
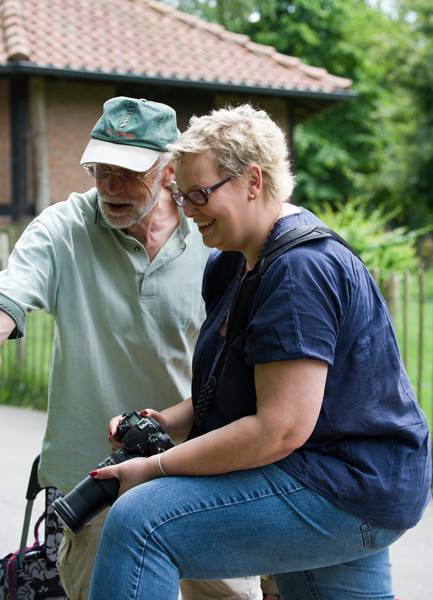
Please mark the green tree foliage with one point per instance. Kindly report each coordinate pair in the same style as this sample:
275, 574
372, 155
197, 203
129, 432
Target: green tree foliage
411, 57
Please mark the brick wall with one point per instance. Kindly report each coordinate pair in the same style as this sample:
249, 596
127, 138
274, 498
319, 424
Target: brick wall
72, 110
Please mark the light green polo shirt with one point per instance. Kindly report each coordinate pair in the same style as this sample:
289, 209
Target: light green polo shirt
125, 327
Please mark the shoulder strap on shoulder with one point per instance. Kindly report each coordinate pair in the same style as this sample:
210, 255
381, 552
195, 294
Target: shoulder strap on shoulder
295, 237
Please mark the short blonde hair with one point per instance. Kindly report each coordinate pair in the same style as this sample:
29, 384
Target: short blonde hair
237, 137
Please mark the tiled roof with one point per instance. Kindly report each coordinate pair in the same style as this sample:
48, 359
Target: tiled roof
149, 39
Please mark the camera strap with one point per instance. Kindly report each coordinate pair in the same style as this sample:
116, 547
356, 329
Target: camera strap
244, 293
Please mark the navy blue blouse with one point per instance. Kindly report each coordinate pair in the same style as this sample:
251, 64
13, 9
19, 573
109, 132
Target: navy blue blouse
370, 450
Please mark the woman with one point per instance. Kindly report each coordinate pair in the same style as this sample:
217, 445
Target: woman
313, 456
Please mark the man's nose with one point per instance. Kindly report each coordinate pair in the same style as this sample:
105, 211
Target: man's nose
114, 184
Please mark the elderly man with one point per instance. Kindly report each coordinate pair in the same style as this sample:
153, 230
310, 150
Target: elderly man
119, 268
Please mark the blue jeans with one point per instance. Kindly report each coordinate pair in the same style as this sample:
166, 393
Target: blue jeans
260, 521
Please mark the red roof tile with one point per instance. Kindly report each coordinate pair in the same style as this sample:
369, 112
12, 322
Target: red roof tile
148, 39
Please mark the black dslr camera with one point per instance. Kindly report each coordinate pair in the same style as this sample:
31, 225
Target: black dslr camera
140, 436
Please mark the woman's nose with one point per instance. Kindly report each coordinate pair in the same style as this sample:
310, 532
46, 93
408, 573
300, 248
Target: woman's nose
189, 209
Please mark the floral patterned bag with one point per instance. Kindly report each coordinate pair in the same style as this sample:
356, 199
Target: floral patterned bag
30, 573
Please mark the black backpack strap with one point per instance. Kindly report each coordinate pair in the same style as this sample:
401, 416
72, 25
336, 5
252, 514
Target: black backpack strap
244, 293
295, 237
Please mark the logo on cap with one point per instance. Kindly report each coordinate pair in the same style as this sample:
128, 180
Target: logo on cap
120, 132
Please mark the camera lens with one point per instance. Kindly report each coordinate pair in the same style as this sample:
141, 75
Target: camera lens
85, 501
91, 496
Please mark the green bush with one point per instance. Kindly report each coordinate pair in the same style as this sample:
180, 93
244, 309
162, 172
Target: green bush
380, 246
19, 391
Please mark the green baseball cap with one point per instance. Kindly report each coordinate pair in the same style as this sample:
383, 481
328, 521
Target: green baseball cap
131, 133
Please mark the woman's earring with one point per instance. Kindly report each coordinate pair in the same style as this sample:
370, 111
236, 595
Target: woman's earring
251, 196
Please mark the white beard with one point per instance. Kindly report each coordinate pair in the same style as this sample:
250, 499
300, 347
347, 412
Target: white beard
137, 210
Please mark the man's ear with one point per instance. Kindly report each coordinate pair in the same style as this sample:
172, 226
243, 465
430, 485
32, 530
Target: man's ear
167, 175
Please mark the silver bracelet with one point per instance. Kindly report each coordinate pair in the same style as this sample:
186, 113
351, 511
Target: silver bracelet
160, 466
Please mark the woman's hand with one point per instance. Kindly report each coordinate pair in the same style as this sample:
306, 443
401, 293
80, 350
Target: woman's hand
114, 423
130, 473
112, 427
176, 422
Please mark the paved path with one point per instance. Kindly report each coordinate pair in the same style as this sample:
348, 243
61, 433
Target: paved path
22, 432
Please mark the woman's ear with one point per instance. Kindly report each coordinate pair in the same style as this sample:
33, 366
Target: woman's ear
254, 180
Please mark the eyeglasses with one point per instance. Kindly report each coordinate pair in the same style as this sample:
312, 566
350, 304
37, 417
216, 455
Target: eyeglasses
198, 197
100, 173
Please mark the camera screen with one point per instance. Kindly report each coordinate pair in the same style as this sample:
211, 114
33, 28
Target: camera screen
134, 418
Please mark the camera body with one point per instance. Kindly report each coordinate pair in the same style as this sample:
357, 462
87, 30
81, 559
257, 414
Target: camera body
140, 436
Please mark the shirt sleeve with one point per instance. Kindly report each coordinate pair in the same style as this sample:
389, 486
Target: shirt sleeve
299, 307
29, 282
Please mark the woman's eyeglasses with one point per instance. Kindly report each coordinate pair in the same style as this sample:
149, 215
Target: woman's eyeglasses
101, 173
197, 197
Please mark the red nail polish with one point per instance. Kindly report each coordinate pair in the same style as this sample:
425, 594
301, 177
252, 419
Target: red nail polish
93, 473
111, 433
143, 412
